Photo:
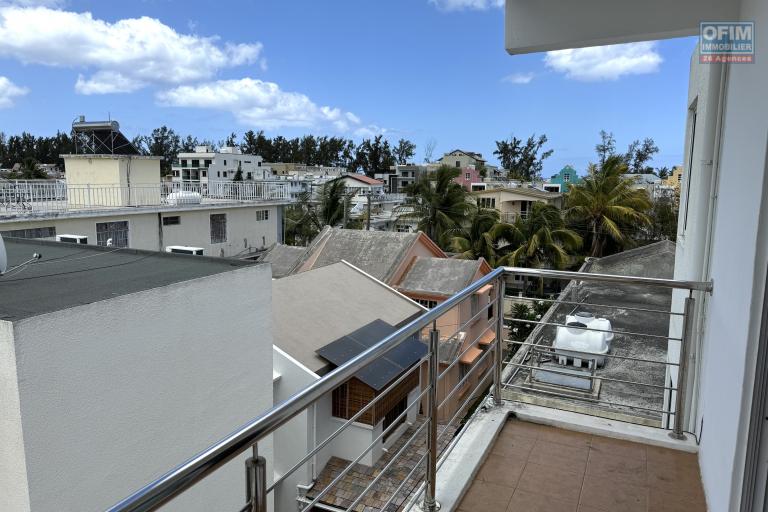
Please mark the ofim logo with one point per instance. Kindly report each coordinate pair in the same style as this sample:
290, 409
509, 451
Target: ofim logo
724, 41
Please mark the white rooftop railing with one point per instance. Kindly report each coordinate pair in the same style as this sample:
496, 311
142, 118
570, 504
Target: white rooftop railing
34, 197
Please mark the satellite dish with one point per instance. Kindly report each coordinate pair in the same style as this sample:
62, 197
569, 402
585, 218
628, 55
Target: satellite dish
3, 257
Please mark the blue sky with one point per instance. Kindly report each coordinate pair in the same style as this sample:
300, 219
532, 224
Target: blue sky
419, 69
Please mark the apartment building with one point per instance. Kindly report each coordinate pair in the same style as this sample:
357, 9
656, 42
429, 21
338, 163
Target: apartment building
205, 165
119, 200
516, 202
109, 371
562, 180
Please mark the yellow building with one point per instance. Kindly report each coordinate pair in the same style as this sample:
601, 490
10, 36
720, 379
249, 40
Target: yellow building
675, 178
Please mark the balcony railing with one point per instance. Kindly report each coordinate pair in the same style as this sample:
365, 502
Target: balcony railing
42, 197
496, 362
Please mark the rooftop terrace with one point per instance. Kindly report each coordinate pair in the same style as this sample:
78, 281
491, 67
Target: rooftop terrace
23, 199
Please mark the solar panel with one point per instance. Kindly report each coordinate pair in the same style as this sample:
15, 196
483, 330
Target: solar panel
382, 371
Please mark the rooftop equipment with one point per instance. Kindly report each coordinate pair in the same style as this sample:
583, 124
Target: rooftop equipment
184, 197
183, 249
100, 138
575, 341
72, 239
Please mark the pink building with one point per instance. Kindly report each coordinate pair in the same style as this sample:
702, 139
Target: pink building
468, 176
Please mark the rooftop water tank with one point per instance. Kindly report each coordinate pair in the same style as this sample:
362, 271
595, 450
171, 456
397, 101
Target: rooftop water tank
576, 341
184, 197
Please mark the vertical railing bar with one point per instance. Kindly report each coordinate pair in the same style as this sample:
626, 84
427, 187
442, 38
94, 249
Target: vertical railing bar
430, 503
682, 370
497, 362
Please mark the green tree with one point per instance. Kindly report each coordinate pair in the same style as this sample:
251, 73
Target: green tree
606, 147
481, 237
540, 240
439, 204
523, 160
663, 216
607, 206
639, 154
164, 142
404, 151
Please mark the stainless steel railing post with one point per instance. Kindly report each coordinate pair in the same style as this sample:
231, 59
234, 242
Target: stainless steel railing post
682, 369
498, 355
256, 482
430, 504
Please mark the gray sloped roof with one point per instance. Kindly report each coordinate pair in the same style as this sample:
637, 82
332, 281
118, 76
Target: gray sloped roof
283, 258
652, 260
375, 252
441, 276
314, 308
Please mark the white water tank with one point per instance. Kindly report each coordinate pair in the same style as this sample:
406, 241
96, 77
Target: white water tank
576, 342
184, 197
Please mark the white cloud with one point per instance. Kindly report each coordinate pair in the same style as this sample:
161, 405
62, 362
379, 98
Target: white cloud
124, 56
8, 91
519, 78
605, 62
461, 5
263, 104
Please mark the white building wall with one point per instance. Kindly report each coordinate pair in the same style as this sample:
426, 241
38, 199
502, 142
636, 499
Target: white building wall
244, 231
738, 268
14, 492
295, 439
105, 408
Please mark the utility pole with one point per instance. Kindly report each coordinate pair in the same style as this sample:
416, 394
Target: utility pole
346, 209
368, 221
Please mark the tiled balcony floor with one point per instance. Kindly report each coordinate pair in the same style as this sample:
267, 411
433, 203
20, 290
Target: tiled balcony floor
535, 468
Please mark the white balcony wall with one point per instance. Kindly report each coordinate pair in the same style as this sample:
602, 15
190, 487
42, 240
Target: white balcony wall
99, 409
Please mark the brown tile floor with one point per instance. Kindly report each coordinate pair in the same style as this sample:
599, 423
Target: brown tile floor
535, 468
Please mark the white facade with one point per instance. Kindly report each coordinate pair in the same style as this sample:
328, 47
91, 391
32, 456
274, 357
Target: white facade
99, 398
247, 227
205, 165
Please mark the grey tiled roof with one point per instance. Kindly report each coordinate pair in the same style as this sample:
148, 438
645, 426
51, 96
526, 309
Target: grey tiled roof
441, 276
283, 258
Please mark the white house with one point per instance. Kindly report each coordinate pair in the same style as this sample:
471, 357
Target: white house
205, 165
111, 371
312, 312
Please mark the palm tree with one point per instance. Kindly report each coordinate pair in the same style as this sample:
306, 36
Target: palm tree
539, 240
305, 219
440, 204
607, 204
481, 238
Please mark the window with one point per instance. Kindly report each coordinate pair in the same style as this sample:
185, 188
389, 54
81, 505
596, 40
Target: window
340, 401
487, 202
467, 176
429, 304
258, 164
117, 232
249, 176
195, 163
176, 173
172, 221
566, 177
207, 163
184, 163
225, 162
218, 228
262, 215
393, 415
205, 174
225, 174
47, 232
458, 163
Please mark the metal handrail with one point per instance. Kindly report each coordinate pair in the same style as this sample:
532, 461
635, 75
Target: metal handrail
184, 476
